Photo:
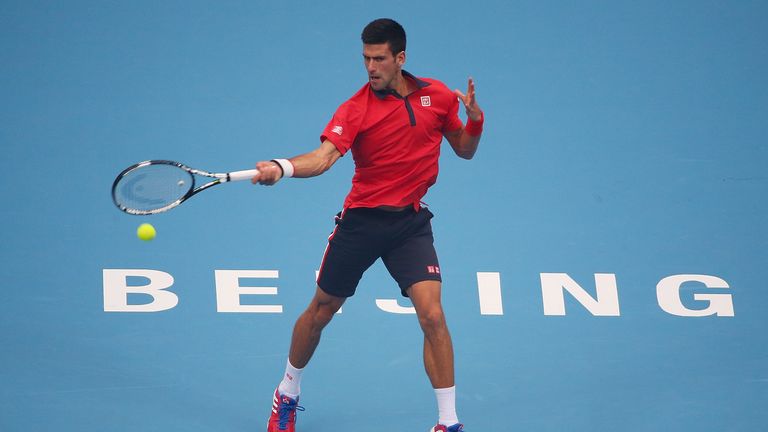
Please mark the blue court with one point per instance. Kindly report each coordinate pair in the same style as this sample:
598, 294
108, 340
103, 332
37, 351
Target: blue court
602, 255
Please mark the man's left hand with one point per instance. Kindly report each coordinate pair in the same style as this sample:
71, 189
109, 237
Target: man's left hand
470, 103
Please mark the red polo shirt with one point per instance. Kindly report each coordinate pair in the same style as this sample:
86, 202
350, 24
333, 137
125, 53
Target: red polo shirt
395, 141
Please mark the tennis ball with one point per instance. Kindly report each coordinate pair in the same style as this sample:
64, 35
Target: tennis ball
146, 232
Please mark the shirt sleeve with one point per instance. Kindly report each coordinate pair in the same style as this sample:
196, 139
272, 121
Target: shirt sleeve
452, 121
344, 125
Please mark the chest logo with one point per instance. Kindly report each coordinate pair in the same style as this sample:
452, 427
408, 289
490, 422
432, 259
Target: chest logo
425, 101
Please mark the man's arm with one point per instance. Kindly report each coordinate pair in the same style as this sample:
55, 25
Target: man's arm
464, 141
309, 164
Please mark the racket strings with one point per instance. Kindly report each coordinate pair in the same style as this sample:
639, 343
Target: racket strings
152, 187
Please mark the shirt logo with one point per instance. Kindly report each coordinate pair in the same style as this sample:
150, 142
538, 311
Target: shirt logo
425, 101
433, 269
337, 130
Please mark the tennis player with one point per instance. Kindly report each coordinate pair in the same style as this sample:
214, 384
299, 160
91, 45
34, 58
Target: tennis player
393, 126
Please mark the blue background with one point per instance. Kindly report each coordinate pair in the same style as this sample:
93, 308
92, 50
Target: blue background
621, 137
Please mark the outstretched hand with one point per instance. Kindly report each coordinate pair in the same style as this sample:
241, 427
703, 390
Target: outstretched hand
470, 103
269, 173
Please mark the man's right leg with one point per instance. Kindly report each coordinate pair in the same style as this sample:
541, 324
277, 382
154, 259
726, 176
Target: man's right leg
309, 326
306, 337
352, 248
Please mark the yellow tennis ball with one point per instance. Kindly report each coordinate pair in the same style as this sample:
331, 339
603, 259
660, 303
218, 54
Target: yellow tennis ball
146, 232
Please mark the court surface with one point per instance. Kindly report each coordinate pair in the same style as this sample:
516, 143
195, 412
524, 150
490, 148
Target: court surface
619, 186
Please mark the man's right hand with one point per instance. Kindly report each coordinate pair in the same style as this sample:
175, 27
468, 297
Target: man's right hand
269, 173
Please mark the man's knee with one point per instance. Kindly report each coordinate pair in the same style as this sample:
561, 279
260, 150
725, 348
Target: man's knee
432, 319
425, 296
324, 306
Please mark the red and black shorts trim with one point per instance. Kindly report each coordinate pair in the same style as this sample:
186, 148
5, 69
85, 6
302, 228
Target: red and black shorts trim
402, 239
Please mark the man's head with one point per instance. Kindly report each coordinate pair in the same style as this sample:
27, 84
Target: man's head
383, 51
385, 30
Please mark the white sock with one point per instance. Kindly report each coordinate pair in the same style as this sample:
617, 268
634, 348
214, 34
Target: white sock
291, 384
446, 406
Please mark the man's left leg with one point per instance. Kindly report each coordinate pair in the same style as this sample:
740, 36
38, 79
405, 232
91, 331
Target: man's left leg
438, 350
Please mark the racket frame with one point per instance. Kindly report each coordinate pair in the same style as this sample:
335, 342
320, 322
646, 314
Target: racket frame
219, 178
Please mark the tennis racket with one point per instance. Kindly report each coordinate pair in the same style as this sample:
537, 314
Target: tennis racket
156, 186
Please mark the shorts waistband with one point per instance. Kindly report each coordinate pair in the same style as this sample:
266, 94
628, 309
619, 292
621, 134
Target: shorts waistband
394, 209
386, 211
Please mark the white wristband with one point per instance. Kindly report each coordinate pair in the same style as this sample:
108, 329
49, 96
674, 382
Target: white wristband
285, 165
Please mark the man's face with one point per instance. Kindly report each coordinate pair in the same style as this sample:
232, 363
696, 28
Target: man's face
382, 66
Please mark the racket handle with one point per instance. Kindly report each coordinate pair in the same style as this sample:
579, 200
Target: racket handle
242, 175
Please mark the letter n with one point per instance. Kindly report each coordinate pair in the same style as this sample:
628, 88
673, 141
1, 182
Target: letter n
605, 303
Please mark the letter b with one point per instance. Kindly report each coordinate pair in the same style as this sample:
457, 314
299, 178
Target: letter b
116, 290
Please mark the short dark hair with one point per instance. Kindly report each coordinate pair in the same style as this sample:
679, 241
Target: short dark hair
385, 30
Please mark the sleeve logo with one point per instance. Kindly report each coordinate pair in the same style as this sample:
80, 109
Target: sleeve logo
337, 130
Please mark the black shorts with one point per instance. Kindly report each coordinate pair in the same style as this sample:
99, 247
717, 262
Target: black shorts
402, 239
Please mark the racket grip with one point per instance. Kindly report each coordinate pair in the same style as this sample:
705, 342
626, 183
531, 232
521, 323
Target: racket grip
242, 175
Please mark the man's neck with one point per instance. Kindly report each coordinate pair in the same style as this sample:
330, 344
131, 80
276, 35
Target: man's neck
402, 85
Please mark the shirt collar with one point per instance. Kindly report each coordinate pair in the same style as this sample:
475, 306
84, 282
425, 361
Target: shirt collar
381, 94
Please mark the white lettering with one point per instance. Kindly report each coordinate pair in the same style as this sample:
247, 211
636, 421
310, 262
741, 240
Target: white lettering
391, 306
143, 290
668, 295
116, 290
228, 291
606, 302
489, 290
